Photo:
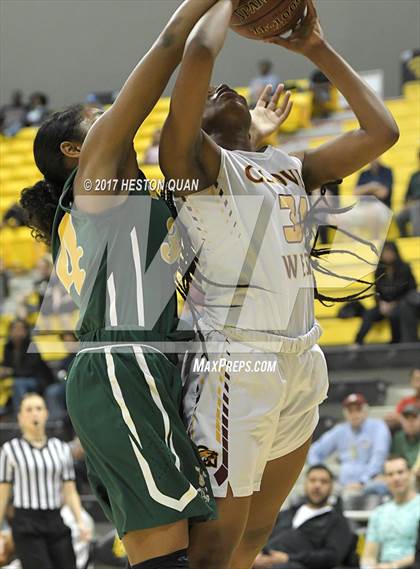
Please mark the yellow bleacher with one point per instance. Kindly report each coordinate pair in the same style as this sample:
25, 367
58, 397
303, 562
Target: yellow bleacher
19, 251
50, 346
339, 332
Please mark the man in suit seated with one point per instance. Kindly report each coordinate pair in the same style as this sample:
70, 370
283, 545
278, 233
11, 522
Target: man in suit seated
311, 535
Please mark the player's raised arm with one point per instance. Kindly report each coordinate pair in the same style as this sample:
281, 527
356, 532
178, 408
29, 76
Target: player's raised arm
378, 130
110, 139
185, 151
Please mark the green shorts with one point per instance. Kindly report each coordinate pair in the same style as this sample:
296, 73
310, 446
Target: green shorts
143, 468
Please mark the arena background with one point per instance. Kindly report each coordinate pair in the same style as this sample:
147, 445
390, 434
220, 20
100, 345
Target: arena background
93, 44
69, 49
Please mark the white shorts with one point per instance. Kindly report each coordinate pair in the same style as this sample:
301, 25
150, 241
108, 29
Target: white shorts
241, 419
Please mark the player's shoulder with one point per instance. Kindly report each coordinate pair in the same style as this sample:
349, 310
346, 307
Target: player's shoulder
269, 155
291, 159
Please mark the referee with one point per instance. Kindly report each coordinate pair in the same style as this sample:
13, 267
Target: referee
40, 472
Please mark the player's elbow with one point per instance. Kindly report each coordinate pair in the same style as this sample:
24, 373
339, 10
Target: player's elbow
393, 133
383, 138
389, 135
200, 47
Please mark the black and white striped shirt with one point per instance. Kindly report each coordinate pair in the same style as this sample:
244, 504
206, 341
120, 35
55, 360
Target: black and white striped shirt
37, 474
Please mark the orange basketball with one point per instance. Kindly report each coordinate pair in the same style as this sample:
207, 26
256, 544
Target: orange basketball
260, 19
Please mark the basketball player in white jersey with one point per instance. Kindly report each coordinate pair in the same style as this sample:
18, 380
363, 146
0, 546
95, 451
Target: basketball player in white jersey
254, 429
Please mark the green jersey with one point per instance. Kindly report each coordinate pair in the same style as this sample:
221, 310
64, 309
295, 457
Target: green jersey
124, 404
118, 266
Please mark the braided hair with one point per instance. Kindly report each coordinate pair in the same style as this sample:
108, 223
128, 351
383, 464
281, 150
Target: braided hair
188, 264
40, 201
318, 211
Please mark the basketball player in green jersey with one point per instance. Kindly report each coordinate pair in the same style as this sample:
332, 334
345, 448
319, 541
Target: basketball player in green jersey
255, 428
110, 254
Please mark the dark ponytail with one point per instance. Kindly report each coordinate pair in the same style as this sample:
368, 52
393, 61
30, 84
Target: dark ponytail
40, 201
316, 216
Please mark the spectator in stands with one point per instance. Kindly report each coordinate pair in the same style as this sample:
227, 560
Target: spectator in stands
55, 394
81, 546
392, 530
411, 210
376, 181
410, 315
151, 155
331, 191
13, 217
265, 77
416, 472
362, 445
406, 441
79, 458
312, 534
32, 302
322, 95
394, 280
37, 109
28, 369
52, 300
44, 270
4, 283
12, 116
415, 398
393, 419
369, 215
417, 554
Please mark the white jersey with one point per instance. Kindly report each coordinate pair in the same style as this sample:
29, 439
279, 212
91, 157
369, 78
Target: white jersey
248, 231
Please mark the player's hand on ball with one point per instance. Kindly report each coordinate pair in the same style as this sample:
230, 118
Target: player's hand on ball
306, 37
267, 117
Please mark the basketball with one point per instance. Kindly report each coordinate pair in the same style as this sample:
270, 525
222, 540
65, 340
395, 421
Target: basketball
261, 19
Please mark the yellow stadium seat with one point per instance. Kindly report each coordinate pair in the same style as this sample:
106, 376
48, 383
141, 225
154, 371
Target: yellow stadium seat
18, 248
300, 116
163, 104
5, 320
140, 144
156, 119
152, 172
29, 172
7, 174
27, 133
411, 91
20, 146
343, 332
147, 130
11, 160
11, 187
